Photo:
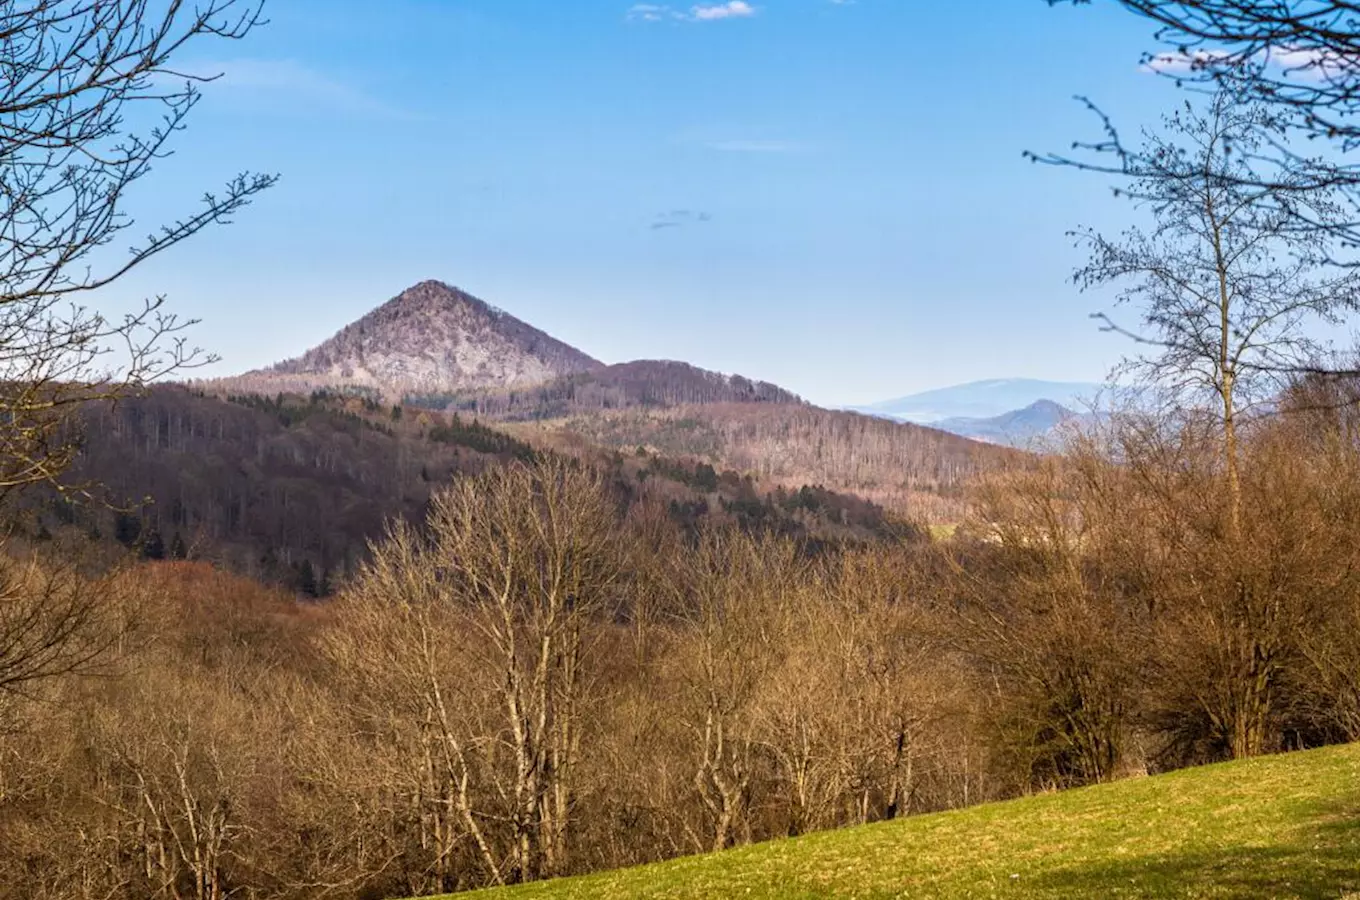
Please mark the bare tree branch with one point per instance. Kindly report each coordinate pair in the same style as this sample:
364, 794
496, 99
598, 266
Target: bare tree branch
89, 102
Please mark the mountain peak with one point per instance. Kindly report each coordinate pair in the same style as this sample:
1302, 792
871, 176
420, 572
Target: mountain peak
438, 297
1016, 428
982, 399
1049, 407
434, 291
433, 337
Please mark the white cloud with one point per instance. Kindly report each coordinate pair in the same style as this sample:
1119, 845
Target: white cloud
734, 9
703, 12
1312, 65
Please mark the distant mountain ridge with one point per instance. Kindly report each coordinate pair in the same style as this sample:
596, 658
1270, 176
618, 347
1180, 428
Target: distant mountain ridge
1022, 428
433, 337
982, 399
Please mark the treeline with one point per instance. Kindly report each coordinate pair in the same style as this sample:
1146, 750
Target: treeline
754, 427
479, 437
817, 517
544, 678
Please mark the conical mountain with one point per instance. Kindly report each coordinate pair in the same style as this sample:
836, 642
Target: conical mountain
437, 338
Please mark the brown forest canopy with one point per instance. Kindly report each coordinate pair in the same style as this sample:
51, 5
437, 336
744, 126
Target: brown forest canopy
645, 690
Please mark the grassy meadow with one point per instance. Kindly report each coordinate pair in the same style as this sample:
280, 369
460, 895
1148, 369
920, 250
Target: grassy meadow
1281, 826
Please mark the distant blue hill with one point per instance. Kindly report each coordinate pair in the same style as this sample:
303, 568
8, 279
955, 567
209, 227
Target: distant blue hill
983, 400
1024, 428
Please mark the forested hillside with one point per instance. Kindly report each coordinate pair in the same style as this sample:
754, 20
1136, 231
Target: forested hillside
292, 488
916, 471
443, 351
643, 383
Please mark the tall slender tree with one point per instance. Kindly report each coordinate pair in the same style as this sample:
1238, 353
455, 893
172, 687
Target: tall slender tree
1225, 287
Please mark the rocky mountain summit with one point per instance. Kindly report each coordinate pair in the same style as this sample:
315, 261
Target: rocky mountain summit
435, 338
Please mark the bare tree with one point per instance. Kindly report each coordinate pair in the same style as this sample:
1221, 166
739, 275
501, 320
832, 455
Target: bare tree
1297, 61
1229, 284
1043, 623
846, 712
54, 622
1224, 284
479, 630
89, 101
734, 586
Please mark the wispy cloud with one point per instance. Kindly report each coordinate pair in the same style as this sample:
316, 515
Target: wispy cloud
748, 146
650, 12
741, 137
702, 12
678, 217
299, 82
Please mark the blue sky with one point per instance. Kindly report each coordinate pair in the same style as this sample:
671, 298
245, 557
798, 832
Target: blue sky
828, 195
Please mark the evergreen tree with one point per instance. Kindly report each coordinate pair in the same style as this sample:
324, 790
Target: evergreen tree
127, 528
705, 477
153, 547
306, 579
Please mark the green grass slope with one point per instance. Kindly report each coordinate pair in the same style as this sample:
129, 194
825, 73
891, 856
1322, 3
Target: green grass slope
1285, 826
